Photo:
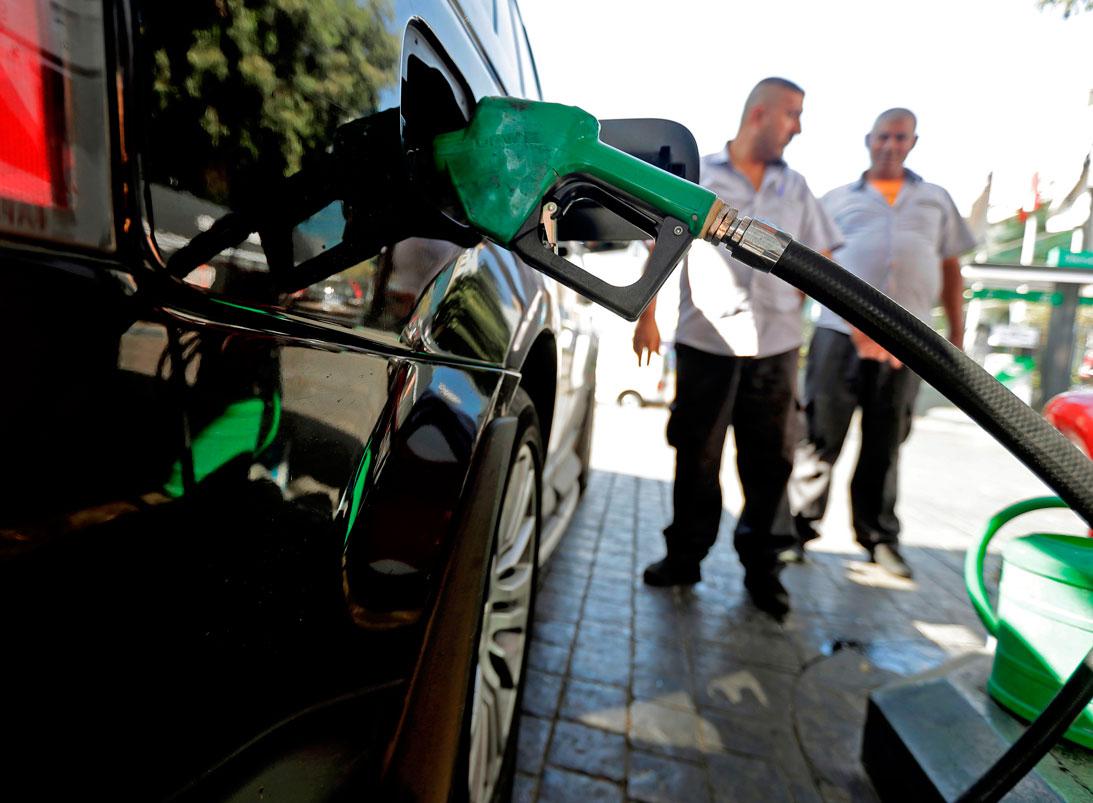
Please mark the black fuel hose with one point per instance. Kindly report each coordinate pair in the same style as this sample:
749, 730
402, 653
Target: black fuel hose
1013, 423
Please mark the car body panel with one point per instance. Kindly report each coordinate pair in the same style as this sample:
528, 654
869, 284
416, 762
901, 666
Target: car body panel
229, 513
307, 540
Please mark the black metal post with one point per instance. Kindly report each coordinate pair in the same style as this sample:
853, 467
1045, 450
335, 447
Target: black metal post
1058, 353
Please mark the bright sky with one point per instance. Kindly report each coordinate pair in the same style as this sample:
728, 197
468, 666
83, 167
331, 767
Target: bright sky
996, 84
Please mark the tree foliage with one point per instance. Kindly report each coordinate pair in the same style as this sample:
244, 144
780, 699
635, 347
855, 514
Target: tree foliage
1068, 6
246, 89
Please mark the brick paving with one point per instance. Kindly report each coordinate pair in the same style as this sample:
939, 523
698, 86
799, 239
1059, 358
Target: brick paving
694, 695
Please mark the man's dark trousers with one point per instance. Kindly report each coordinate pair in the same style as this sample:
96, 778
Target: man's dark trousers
837, 381
757, 396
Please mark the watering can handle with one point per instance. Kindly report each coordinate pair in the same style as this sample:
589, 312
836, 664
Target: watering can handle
973, 560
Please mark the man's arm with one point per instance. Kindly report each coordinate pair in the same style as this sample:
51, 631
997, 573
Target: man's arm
867, 347
870, 349
952, 299
646, 333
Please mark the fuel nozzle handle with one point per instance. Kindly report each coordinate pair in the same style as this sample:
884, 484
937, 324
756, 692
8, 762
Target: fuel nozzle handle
504, 166
521, 166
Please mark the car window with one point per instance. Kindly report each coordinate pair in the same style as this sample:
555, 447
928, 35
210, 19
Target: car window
506, 43
492, 23
529, 76
502, 21
243, 96
323, 222
242, 129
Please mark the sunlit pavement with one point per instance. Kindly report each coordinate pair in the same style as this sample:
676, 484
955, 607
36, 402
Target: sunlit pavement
645, 694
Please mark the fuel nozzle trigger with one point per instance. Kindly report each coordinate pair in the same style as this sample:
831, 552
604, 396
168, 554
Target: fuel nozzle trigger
537, 239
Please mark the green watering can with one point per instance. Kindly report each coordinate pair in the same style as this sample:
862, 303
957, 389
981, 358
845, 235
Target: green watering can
1044, 622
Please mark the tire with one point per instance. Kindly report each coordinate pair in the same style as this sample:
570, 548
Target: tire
630, 398
500, 669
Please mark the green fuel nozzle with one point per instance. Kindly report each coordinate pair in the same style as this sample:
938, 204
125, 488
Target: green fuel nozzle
520, 166
515, 152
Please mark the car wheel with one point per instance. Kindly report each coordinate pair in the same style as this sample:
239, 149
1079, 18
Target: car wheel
630, 398
504, 638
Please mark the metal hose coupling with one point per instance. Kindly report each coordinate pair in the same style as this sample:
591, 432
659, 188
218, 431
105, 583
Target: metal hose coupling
756, 243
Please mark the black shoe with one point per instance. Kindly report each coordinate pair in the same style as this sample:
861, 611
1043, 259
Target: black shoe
806, 530
668, 572
888, 558
768, 594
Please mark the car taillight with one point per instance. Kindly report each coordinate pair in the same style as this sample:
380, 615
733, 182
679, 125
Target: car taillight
54, 133
28, 171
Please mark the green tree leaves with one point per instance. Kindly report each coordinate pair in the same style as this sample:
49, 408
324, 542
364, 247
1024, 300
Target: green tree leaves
1068, 6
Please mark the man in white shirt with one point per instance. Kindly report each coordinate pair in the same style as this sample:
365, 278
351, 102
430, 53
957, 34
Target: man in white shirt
903, 236
736, 355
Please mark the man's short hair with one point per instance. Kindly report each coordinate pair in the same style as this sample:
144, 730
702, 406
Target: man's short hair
895, 113
762, 90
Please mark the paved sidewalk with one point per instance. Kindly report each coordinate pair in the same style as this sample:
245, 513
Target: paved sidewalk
660, 695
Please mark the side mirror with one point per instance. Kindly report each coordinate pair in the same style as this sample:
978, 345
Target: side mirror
664, 143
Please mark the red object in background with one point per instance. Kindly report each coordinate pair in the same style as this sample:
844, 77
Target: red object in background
29, 151
1072, 414
1033, 203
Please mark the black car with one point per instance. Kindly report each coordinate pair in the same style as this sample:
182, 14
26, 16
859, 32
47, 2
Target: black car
279, 461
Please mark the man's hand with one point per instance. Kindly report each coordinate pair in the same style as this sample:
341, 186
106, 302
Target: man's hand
952, 299
870, 349
646, 338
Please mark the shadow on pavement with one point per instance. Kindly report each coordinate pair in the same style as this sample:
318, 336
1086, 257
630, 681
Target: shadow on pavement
649, 694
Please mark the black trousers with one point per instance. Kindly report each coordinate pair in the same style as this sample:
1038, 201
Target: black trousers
757, 396
836, 382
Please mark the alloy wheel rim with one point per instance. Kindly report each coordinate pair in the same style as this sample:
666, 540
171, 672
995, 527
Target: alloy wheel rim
500, 664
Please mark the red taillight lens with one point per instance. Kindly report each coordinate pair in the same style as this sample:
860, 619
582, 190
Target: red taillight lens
54, 137
26, 164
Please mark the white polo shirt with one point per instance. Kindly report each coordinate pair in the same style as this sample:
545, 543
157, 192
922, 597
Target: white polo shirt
727, 308
897, 249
